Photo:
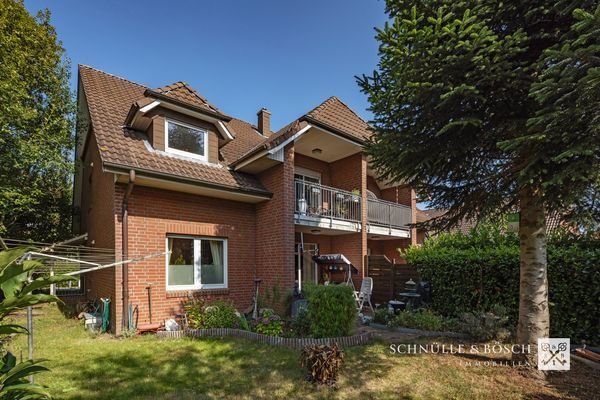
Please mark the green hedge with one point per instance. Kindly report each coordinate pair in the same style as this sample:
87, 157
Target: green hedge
331, 310
477, 271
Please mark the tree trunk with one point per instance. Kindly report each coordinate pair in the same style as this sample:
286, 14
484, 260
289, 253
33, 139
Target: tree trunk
534, 316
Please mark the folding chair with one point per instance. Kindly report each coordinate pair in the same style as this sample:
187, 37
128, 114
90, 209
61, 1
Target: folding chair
364, 294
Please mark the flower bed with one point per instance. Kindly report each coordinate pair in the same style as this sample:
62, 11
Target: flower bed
296, 343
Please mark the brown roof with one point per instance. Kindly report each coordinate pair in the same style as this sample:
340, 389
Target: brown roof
246, 135
184, 92
426, 215
333, 114
109, 99
465, 226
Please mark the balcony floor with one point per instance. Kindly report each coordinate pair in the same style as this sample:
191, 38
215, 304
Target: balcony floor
385, 232
326, 224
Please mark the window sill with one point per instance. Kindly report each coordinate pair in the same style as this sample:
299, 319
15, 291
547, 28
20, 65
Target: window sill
197, 293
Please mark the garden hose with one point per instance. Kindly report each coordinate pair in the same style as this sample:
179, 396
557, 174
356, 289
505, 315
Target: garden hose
105, 315
133, 310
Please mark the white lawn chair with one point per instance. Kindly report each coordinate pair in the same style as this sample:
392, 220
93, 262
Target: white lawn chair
364, 294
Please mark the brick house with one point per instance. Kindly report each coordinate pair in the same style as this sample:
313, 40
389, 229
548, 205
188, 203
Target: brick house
165, 170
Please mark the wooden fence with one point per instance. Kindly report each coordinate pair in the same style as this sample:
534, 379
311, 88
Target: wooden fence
389, 279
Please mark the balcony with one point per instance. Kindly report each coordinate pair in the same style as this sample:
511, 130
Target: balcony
326, 207
321, 206
387, 218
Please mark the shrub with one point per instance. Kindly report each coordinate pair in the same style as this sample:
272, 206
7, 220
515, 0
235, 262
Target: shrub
485, 326
425, 319
331, 310
300, 326
322, 362
219, 314
382, 316
268, 323
475, 272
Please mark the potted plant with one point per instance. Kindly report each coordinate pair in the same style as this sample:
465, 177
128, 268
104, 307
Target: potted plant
355, 195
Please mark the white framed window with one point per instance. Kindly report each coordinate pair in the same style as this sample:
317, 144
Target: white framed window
186, 140
307, 175
196, 263
308, 188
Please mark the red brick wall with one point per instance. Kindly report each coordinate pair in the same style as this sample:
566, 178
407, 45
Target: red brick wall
346, 173
314, 165
323, 241
153, 214
98, 220
274, 238
373, 187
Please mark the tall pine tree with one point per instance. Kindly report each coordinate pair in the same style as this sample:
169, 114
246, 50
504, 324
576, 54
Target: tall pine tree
475, 106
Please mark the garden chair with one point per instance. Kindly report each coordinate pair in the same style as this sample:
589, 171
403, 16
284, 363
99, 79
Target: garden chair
364, 294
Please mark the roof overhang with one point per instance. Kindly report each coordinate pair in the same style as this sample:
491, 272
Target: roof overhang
138, 117
330, 129
186, 185
267, 157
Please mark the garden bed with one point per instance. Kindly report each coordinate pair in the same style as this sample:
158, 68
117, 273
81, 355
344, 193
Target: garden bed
420, 332
295, 343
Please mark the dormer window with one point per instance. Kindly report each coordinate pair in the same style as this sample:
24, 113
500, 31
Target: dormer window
185, 140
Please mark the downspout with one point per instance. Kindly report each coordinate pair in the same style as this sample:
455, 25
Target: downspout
125, 247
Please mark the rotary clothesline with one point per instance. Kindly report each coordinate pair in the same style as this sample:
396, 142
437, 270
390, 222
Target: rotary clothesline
68, 259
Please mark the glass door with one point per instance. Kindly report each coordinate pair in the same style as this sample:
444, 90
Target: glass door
308, 188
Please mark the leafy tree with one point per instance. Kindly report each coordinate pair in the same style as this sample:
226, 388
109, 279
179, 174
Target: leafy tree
475, 106
18, 285
35, 127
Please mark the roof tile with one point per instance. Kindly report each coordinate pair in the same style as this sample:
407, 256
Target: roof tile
332, 113
109, 100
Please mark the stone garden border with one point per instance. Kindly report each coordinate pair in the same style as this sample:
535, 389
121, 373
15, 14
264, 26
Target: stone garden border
295, 343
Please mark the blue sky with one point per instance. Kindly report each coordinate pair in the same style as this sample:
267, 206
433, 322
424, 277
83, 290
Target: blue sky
288, 56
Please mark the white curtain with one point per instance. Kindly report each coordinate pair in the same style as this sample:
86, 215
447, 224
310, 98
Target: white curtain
216, 248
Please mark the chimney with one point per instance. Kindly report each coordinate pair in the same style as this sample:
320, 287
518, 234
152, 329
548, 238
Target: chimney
264, 121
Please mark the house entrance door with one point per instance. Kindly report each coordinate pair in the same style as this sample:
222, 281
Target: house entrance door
306, 268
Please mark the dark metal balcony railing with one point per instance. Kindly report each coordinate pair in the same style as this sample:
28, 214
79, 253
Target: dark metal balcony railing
315, 200
388, 214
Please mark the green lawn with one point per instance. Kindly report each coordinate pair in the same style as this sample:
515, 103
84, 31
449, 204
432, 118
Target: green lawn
102, 367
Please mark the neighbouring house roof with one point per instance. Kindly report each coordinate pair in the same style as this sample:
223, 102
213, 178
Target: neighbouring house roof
426, 215
464, 226
109, 100
554, 220
333, 115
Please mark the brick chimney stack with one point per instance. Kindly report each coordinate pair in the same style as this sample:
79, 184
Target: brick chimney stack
264, 122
